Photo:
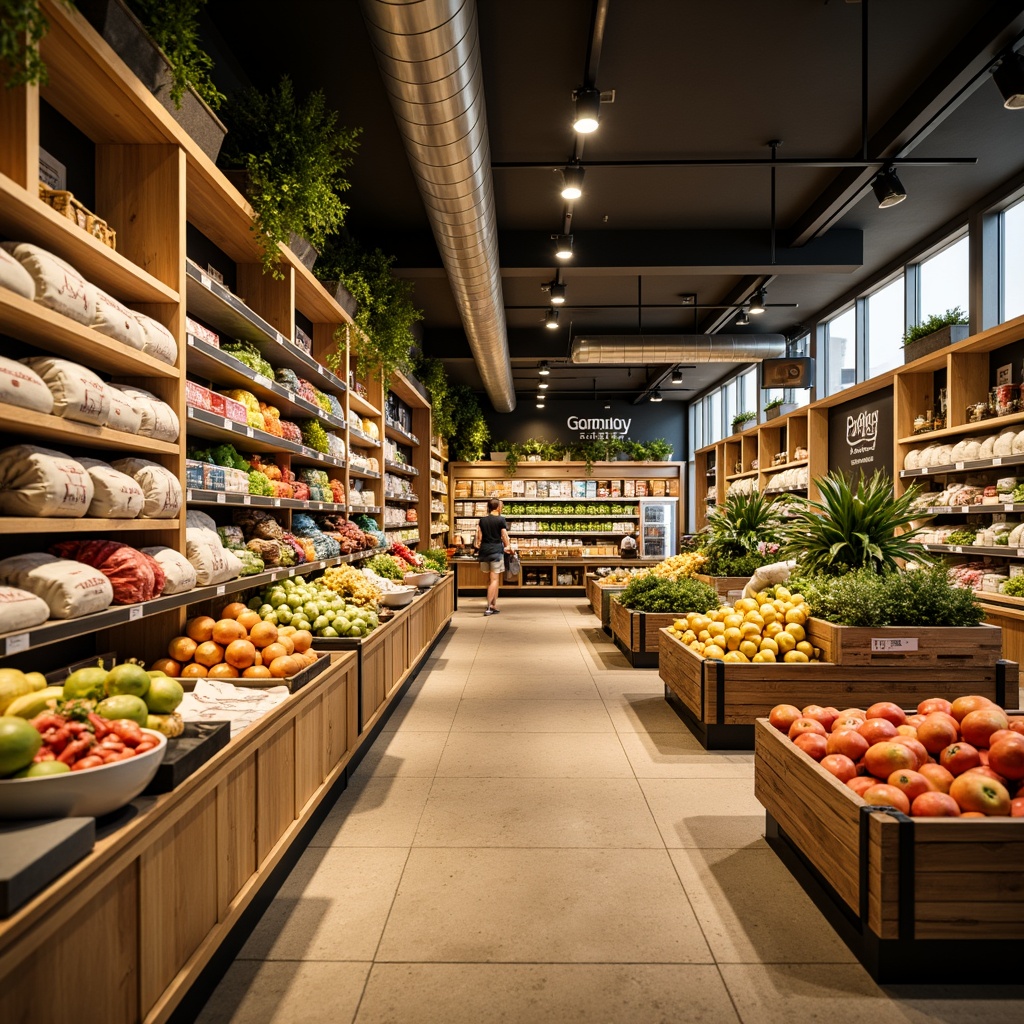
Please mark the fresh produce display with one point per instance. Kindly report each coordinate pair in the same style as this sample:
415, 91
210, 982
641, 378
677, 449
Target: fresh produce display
240, 644
351, 584
963, 758
305, 528
386, 567
14, 684
518, 508
406, 554
350, 537
311, 607
963, 535
246, 352
679, 567
621, 575
658, 594
768, 627
314, 436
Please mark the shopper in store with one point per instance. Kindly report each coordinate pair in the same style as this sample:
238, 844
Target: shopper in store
492, 544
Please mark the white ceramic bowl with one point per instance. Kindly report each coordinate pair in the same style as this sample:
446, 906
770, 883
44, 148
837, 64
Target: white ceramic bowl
88, 794
421, 579
398, 598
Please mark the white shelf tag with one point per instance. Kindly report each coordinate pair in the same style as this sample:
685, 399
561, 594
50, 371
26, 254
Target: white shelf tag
205, 281
246, 499
262, 381
277, 502
248, 432
1008, 508
958, 465
18, 643
997, 461
188, 495
1020, 552
893, 644
220, 590
229, 424
957, 550
222, 499
135, 612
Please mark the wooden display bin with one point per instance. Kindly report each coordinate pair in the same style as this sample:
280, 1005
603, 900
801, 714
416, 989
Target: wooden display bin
636, 633
601, 601
723, 584
910, 896
966, 647
720, 702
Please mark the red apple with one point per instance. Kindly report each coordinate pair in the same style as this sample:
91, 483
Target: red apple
812, 744
782, 716
888, 710
977, 726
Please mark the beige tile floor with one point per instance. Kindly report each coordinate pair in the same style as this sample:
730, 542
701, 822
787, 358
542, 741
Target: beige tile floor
537, 839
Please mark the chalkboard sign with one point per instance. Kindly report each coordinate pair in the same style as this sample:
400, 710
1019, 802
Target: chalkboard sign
860, 435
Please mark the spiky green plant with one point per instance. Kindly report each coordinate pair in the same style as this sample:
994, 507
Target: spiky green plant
742, 521
852, 527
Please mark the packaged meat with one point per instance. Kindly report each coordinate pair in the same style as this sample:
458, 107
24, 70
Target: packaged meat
134, 576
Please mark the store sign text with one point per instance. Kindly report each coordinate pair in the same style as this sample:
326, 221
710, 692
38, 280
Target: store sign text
599, 427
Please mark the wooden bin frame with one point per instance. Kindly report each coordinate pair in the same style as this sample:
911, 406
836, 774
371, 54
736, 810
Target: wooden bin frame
636, 634
601, 601
965, 647
720, 702
909, 896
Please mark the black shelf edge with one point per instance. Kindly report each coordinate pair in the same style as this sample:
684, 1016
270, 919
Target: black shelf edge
365, 440
1000, 551
400, 432
196, 496
401, 468
396, 497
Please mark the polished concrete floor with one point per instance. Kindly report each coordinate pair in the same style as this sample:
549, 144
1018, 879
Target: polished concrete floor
537, 838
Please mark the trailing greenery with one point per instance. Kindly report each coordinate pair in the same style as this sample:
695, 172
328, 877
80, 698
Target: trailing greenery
471, 434
935, 323
295, 156
430, 372
385, 312
174, 27
22, 27
655, 594
866, 597
851, 527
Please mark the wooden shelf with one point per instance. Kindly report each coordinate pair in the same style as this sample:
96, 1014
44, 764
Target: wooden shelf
571, 515
65, 337
400, 468
744, 476
396, 433
972, 466
792, 464
357, 439
989, 426
970, 510
998, 551
45, 427
361, 405
40, 524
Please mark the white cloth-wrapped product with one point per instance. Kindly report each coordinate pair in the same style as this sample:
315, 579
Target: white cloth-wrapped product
158, 419
212, 561
41, 482
15, 277
21, 609
58, 286
768, 576
20, 385
117, 321
160, 486
115, 495
157, 340
180, 572
69, 588
78, 393
122, 414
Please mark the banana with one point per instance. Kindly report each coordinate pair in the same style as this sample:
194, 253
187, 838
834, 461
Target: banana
32, 704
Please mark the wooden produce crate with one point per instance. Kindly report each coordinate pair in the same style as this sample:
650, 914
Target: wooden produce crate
906, 646
723, 584
909, 896
720, 702
636, 633
601, 601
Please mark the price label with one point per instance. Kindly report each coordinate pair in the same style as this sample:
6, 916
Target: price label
248, 432
1008, 508
884, 644
135, 612
17, 644
221, 589
997, 461
277, 502
957, 550
321, 456
262, 381
305, 504
205, 281
222, 499
1020, 552
958, 465
228, 424
188, 495
280, 338
246, 499
964, 509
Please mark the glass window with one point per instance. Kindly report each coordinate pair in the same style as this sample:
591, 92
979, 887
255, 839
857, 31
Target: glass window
697, 425
944, 281
748, 391
714, 401
1013, 262
729, 396
885, 327
841, 351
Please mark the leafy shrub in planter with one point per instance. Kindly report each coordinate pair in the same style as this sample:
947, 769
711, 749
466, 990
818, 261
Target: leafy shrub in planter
935, 323
654, 594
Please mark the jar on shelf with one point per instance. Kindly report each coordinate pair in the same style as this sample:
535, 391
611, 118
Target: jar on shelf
977, 412
1006, 399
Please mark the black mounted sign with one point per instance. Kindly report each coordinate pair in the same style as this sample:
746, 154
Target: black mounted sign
860, 435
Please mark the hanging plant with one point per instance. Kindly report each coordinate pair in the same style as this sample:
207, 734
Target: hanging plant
22, 27
385, 313
295, 157
430, 372
472, 435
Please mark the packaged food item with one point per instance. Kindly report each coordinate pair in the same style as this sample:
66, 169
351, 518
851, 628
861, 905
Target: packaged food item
78, 393
20, 385
160, 486
69, 588
58, 286
115, 494
42, 482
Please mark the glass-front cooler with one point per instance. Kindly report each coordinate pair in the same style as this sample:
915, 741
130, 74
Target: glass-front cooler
658, 530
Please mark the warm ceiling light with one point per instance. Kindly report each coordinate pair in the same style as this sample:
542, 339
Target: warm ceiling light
677, 376
563, 246
557, 291
888, 188
588, 110
540, 402
743, 320
542, 385
551, 319
572, 181
756, 306
1009, 77
544, 369
656, 395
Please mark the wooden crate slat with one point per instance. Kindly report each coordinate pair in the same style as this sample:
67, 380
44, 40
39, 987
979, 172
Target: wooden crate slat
939, 646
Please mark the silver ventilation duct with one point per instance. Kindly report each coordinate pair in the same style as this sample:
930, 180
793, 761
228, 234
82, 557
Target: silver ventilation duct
428, 52
637, 349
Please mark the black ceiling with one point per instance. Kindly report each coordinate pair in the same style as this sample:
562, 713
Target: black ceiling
691, 80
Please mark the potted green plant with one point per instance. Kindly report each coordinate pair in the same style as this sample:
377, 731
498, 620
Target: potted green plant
937, 331
500, 450
658, 450
776, 407
290, 159
160, 43
742, 534
740, 420
24, 26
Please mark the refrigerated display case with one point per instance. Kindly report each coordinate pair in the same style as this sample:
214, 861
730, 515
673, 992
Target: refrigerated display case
658, 529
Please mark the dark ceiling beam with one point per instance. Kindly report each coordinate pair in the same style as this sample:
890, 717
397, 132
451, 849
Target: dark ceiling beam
950, 82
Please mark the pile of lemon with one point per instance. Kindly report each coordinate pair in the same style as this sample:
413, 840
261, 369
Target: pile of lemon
768, 627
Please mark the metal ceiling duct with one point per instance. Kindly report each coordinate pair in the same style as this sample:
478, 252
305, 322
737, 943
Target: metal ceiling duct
428, 52
637, 349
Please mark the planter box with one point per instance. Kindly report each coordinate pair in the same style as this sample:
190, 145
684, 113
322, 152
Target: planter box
723, 584
720, 702
773, 412
969, 647
909, 896
499, 456
636, 633
342, 296
128, 38
930, 343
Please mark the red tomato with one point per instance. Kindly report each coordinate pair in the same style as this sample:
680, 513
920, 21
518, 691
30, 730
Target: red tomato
805, 725
915, 745
937, 732
887, 796
812, 744
861, 783
848, 742
907, 730
973, 792
965, 705
977, 726
782, 716
1017, 807
926, 707
935, 805
1001, 734
958, 757
912, 783
1006, 756
824, 715
882, 759
847, 722
915, 720
1017, 723
840, 766
888, 710
972, 814
874, 730
856, 712
987, 773
941, 778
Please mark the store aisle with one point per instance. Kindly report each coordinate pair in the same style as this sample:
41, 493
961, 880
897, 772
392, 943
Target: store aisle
537, 838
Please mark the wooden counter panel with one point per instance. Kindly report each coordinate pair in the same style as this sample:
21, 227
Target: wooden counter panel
275, 798
310, 750
236, 841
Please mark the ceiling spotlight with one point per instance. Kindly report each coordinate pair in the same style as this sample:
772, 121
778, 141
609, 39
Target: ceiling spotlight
563, 246
1009, 77
544, 369
557, 291
540, 402
588, 110
677, 376
743, 320
607, 405
551, 319
756, 306
572, 181
542, 385
656, 395
888, 188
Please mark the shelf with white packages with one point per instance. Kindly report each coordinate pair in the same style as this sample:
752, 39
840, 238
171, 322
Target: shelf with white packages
399, 433
204, 497
971, 466
402, 468
357, 439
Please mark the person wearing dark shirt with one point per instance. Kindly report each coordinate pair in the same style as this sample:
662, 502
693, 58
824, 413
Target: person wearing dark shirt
492, 544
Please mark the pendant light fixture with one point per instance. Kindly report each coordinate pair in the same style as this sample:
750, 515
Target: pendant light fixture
888, 188
544, 369
756, 306
542, 386
563, 246
656, 395
540, 402
677, 376
556, 292
1009, 77
743, 320
572, 181
588, 110
551, 319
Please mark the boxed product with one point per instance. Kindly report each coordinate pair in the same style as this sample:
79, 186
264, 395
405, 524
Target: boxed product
197, 396
530, 490
235, 410
197, 330
616, 489
542, 489
579, 489
658, 488
303, 340
213, 478
629, 488
194, 474
217, 403
591, 489
640, 488
604, 488
479, 489
562, 490
236, 481
518, 488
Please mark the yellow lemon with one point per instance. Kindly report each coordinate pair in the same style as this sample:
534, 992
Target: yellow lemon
697, 646
732, 644
735, 657
747, 647
733, 620
773, 629
759, 657
733, 632
785, 641
796, 631
805, 648
717, 615
798, 615
798, 599
795, 656
756, 618
717, 628
689, 636
698, 622
713, 651
782, 593
746, 604
767, 655
768, 644
768, 613
779, 606
704, 636
680, 624
750, 629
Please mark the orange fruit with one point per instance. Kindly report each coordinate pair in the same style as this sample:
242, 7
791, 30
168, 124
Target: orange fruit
302, 639
248, 618
209, 653
263, 633
226, 630
182, 648
222, 670
200, 628
286, 642
285, 666
258, 660
193, 670
273, 651
168, 666
233, 610
257, 672
240, 653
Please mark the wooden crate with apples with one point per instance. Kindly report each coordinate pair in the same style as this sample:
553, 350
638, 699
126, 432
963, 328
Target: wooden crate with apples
720, 702
911, 896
